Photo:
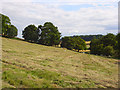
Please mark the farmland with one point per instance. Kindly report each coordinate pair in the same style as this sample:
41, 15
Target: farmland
29, 65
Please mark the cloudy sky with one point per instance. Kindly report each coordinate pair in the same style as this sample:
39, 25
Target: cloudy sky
72, 17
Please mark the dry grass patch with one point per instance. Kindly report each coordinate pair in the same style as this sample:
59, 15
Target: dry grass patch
60, 67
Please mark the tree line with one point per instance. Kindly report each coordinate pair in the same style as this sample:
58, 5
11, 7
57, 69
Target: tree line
108, 45
72, 42
90, 37
48, 34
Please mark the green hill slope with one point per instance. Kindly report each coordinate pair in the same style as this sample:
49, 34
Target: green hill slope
28, 65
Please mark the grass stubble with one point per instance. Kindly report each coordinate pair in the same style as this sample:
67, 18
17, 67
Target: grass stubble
29, 65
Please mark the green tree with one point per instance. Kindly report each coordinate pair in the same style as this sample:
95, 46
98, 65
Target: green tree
79, 47
49, 34
106, 45
118, 44
12, 31
94, 46
68, 42
31, 33
8, 30
108, 40
5, 24
65, 41
108, 50
0, 25
79, 43
73, 43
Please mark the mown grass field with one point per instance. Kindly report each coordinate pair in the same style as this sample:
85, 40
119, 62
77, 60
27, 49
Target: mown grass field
29, 65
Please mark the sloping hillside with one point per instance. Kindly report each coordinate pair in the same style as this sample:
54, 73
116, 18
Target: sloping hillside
29, 65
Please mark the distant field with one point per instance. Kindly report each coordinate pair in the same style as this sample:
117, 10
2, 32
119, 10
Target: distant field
88, 44
29, 65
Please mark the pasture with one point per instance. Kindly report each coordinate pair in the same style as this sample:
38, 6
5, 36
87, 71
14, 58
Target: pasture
29, 65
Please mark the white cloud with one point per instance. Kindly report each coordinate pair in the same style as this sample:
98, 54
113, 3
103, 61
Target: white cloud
16, 0
75, 1
93, 20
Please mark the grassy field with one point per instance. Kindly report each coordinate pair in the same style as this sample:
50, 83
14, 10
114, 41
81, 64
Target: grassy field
29, 65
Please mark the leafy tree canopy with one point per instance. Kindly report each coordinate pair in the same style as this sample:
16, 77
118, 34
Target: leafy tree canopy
49, 34
8, 30
5, 23
106, 45
108, 39
118, 45
31, 33
73, 43
12, 31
